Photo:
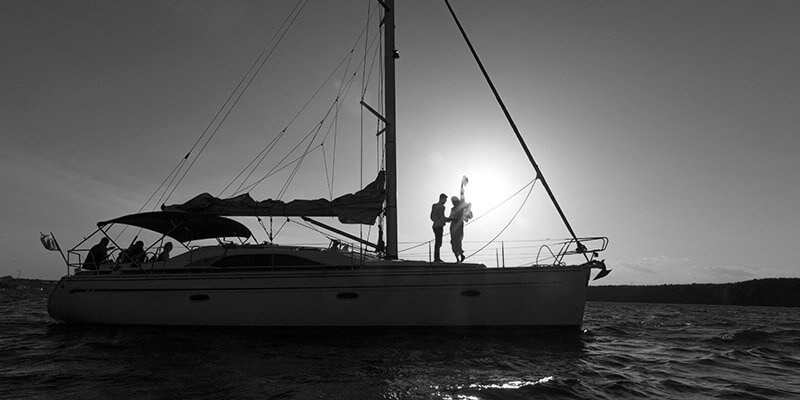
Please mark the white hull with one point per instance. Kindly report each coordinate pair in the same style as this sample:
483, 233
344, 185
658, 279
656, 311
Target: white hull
425, 295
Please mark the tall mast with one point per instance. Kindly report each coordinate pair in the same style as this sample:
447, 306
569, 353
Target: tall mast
389, 113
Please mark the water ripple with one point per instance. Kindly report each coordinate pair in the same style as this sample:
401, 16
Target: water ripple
636, 351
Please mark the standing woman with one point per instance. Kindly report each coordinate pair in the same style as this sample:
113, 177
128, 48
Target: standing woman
456, 220
460, 213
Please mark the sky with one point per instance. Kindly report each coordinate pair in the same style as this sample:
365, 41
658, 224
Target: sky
669, 127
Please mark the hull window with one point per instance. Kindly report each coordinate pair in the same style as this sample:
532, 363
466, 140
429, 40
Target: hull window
199, 297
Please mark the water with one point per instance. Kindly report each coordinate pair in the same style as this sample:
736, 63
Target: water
636, 351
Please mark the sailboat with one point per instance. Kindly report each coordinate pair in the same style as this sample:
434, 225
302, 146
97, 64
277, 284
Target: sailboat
272, 285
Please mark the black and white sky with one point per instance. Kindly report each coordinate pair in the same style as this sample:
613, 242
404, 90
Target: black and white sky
669, 126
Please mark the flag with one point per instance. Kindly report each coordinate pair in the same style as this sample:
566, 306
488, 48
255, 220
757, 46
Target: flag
49, 242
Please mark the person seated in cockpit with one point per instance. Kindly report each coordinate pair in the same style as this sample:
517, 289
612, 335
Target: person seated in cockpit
97, 255
134, 254
164, 255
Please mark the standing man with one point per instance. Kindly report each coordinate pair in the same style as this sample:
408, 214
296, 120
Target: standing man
438, 218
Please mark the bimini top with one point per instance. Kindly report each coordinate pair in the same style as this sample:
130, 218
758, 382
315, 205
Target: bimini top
183, 226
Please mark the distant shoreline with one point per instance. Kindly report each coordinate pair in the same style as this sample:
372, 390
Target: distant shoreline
11, 283
777, 292
774, 292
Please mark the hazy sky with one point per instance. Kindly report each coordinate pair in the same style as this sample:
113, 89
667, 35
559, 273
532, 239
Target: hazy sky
668, 126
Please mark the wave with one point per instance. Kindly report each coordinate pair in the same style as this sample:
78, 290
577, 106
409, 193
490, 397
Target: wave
624, 351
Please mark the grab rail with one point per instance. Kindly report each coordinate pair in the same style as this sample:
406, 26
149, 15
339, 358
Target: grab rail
517, 253
580, 248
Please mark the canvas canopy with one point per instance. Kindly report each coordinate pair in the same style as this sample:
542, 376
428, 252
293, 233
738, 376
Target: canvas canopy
362, 207
183, 226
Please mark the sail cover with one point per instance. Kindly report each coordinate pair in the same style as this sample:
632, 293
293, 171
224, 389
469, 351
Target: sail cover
361, 207
182, 226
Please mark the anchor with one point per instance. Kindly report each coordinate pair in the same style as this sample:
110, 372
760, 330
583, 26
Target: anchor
601, 265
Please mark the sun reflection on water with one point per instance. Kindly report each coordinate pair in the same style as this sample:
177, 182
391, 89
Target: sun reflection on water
512, 385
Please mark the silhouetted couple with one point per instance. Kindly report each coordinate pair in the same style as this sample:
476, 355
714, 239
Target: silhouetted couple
459, 213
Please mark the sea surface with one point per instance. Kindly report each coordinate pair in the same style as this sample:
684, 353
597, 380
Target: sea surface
626, 350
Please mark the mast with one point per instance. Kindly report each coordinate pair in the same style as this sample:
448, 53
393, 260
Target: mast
389, 56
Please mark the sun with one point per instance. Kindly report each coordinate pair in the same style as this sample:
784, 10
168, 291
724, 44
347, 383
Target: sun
485, 188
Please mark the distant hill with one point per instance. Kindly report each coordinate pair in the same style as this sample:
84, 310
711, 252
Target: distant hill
759, 292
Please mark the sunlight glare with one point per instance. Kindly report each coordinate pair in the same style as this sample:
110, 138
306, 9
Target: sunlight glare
486, 188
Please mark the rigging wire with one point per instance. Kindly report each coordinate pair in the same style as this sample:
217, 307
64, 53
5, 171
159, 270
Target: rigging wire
344, 90
336, 122
366, 77
365, 80
313, 228
171, 174
334, 106
281, 227
509, 221
333, 127
264, 150
381, 139
328, 173
264, 153
281, 168
175, 178
252, 72
330, 179
361, 127
286, 184
532, 182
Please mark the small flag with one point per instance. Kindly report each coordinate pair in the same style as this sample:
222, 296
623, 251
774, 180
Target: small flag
49, 242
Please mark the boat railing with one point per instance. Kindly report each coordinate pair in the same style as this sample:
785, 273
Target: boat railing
72, 256
515, 253
500, 254
590, 246
76, 257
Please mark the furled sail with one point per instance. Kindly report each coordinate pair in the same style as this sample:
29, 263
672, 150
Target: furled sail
361, 207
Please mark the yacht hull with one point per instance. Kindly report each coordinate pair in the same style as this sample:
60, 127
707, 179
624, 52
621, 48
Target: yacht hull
423, 297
